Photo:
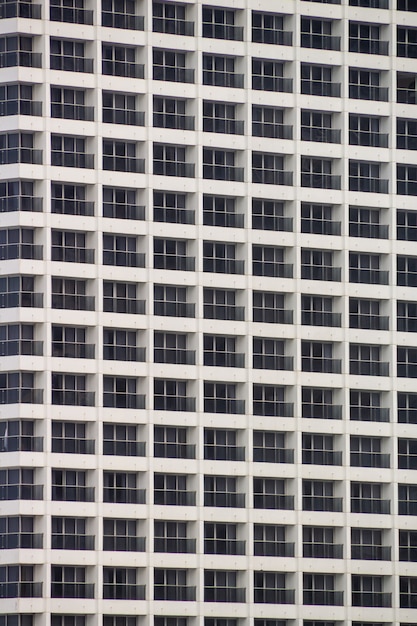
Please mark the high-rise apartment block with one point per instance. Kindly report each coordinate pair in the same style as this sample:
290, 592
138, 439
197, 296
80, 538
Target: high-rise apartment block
208, 313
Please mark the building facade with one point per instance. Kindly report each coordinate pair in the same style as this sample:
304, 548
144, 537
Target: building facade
208, 313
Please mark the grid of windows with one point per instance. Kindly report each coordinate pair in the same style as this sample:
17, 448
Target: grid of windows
199, 168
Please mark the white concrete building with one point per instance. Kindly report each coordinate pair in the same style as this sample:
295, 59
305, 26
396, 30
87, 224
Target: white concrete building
208, 313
